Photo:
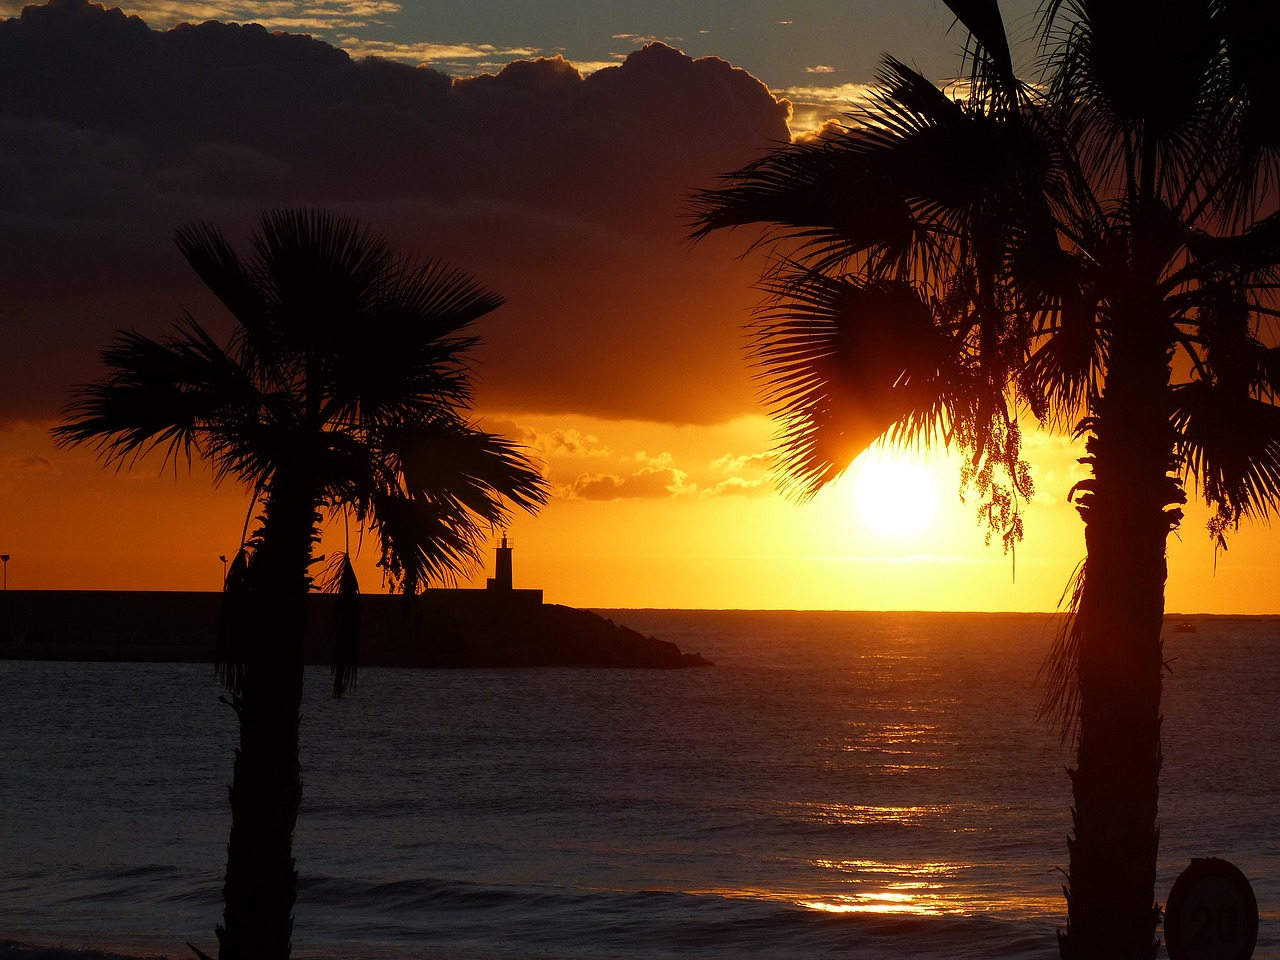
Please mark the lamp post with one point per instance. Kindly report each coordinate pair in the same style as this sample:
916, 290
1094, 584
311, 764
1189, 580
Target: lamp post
4, 559
223, 558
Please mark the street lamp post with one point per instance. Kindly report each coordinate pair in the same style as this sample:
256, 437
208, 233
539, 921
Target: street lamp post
4, 559
223, 558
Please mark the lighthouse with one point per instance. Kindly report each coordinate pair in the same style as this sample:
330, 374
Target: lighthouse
501, 579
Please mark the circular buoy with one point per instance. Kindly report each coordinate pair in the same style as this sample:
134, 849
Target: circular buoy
1212, 913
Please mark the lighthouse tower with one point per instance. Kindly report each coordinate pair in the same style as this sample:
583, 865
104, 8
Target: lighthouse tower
501, 579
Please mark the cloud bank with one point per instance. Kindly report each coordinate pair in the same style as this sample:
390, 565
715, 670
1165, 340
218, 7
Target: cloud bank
565, 193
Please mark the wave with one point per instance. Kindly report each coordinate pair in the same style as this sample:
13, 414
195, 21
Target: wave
574, 924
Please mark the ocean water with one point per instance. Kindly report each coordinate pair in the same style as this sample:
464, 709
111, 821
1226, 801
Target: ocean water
840, 784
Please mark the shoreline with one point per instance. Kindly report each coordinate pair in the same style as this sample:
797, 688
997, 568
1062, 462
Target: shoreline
22, 950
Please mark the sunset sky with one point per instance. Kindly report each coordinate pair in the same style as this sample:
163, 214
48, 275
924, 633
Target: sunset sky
549, 149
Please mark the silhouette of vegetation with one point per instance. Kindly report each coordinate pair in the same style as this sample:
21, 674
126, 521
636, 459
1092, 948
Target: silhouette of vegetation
1096, 251
342, 394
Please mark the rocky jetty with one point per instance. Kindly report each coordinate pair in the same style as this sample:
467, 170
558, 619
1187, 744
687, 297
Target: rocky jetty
437, 629
548, 635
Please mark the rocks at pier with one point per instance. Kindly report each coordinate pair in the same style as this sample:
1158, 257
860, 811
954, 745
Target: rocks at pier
438, 629
549, 635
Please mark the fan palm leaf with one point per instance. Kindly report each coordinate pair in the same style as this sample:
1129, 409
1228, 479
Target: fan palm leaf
1229, 445
843, 360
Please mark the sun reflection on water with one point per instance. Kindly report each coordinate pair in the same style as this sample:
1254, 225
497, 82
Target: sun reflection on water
892, 888
934, 888
883, 903
861, 815
888, 888
895, 746
858, 815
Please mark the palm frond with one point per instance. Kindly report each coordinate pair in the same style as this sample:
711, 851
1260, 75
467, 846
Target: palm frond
434, 491
830, 197
1059, 674
841, 362
444, 461
876, 198
340, 579
255, 343
1249, 103
238, 614
304, 254
410, 359
1229, 445
1113, 50
219, 266
424, 541
318, 274
1067, 360
441, 297
1253, 252
161, 394
987, 50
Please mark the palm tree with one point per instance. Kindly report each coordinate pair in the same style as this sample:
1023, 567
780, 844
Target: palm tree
1097, 252
343, 393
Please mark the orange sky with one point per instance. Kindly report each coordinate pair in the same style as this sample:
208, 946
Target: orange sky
720, 537
618, 355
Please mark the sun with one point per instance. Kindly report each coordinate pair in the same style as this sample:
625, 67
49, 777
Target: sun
893, 495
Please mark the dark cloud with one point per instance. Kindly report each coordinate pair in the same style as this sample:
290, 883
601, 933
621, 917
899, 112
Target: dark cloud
564, 193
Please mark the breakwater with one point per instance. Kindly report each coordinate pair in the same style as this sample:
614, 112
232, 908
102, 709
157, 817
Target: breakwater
439, 628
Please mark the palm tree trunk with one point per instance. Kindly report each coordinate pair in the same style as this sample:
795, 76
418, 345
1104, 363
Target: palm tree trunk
1112, 912
266, 790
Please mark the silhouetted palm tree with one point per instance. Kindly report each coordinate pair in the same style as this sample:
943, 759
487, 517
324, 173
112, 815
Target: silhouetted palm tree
1099, 250
343, 392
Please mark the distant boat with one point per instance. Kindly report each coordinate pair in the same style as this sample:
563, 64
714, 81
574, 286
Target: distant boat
1186, 626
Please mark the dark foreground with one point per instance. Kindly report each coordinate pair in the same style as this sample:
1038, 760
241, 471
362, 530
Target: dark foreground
13, 950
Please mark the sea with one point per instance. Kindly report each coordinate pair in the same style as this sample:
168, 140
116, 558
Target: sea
839, 785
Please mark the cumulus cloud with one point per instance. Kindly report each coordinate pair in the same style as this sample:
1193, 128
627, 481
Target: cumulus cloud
814, 106
737, 486
649, 482
820, 68
565, 192
643, 39
559, 442
737, 463
659, 477
582, 465
569, 443
25, 467
740, 475
643, 476
273, 14
441, 55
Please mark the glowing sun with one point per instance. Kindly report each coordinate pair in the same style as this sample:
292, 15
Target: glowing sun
893, 495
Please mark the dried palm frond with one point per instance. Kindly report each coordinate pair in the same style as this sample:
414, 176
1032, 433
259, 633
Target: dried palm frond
1059, 673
